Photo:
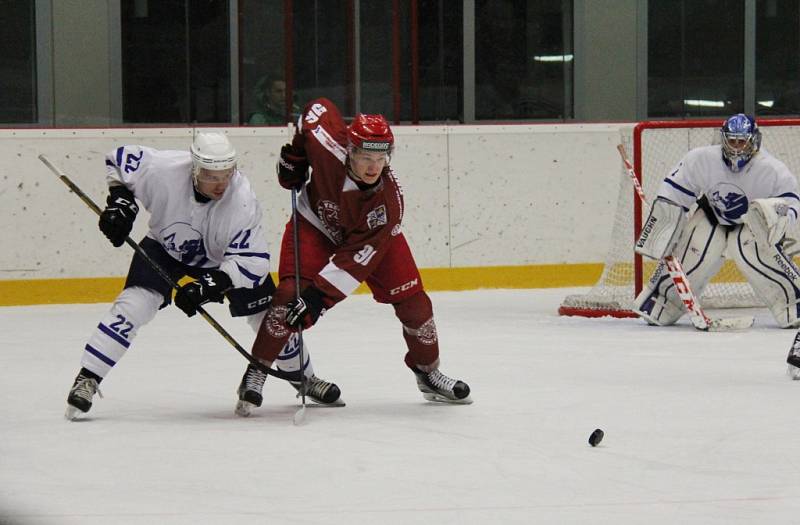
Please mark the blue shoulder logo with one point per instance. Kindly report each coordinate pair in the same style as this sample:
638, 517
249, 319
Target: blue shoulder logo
729, 202
184, 243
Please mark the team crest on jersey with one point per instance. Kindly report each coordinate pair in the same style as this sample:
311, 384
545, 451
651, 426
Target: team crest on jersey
328, 212
376, 217
396, 230
274, 322
729, 201
183, 242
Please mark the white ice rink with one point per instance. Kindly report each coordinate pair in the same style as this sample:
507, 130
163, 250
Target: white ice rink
699, 427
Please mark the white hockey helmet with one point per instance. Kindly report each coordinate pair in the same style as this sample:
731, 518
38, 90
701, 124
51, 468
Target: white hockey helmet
213, 151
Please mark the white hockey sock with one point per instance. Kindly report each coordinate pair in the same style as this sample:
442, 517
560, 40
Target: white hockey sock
133, 308
289, 358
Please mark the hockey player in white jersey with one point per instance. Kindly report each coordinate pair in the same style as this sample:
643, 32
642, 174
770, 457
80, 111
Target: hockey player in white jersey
744, 199
205, 222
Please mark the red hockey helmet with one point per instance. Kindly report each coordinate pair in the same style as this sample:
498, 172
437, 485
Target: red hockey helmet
371, 133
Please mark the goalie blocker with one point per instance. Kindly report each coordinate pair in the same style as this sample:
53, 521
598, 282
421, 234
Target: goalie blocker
661, 230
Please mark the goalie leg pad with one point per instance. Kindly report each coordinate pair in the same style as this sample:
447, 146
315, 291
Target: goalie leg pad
133, 308
772, 274
661, 230
652, 303
701, 250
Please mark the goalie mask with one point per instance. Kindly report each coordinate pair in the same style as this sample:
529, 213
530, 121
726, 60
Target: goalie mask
741, 139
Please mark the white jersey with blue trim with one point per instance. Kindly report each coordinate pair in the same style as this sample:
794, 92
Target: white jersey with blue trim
703, 172
225, 233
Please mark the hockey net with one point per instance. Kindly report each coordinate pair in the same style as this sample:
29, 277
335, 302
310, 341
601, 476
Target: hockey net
656, 147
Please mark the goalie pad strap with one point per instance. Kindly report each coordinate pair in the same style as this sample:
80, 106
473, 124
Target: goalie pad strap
661, 230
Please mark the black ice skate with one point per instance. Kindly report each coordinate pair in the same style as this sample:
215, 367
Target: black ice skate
250, 391
435, 386
79, 400
321, 392
793, 359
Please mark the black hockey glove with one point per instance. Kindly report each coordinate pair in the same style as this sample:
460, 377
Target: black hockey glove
306, 310
116, 221
292, 168
209, 287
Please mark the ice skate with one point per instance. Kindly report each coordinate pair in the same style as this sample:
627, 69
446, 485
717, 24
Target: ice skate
79, 400
793, 360
435, 386
250, 391
321, 392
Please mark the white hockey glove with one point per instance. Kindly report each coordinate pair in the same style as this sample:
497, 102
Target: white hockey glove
661, 230
767, 219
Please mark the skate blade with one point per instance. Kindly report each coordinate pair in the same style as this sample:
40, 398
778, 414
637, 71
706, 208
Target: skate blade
338, 403
244, 408
72, 413
793, 372
436, 398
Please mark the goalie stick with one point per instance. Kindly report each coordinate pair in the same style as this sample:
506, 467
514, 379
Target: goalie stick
698, 317
288, 376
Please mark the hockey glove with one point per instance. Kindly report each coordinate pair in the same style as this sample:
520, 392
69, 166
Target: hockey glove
292, 168
209, 287
306, 310
116, 221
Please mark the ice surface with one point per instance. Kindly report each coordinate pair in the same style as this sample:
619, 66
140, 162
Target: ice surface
699, 427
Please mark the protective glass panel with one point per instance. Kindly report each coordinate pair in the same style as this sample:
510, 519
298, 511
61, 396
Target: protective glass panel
523, 59
175, 61
262, 82
323, 63
695, 58
18, 63
777, 58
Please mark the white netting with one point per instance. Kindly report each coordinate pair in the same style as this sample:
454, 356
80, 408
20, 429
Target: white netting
660, 149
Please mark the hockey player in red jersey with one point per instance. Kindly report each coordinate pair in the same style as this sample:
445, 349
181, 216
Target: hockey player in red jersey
349, 225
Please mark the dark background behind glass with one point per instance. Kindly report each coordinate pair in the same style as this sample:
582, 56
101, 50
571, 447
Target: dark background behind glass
17, 61
695, 57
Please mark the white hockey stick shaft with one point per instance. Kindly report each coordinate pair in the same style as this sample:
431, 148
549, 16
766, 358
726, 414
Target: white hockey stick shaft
699, 318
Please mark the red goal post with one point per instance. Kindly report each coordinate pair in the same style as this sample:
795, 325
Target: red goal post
657, 146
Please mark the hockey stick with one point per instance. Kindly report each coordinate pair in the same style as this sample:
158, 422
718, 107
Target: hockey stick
288, 376
300, 415
698, 317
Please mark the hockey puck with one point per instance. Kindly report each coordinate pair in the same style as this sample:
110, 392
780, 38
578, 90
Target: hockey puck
596, 437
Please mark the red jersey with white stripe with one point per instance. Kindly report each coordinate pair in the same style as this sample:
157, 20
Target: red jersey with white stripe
359, 222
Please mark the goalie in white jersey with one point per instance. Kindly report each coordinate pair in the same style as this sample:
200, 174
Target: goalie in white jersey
746, 199
205, 222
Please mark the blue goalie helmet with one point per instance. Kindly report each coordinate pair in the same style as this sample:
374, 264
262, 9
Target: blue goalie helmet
741, 139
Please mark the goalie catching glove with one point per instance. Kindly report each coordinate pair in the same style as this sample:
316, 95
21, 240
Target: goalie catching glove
662, 229
116, 221
209, 287
307, 309
768, 219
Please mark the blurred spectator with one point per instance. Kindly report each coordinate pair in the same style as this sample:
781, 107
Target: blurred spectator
270, 97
